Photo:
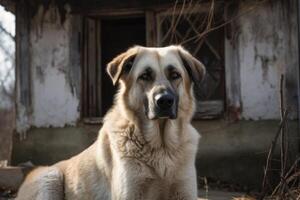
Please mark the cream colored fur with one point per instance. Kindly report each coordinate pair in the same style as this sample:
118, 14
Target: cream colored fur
133, 158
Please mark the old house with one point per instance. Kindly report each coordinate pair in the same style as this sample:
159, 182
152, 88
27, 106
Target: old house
62, 90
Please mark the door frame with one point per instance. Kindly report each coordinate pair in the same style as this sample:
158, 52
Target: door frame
150, 23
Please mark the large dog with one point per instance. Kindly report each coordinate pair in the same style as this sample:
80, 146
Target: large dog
146, 148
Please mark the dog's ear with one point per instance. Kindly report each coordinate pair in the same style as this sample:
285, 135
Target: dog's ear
121, 64
194, 67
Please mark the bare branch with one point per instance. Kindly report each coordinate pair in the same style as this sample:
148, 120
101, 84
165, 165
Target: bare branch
7, 53
270, 154
3, 30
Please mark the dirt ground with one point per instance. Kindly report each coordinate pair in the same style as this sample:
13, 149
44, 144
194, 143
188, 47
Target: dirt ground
6, 132
221, 195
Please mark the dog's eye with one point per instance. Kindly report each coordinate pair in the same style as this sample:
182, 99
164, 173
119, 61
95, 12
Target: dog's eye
174, 75
145, 77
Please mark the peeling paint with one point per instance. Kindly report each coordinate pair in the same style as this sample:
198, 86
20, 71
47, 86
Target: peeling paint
55, 70
55, 103
40, 74
265, 52
23, 121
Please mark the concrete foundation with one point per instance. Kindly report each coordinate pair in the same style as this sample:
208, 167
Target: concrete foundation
231, 152
236, 152
44, 146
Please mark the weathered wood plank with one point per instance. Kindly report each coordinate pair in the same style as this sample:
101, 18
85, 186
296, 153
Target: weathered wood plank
209, 109
113, 9
92, 66
93, 120
84, 98
98, 68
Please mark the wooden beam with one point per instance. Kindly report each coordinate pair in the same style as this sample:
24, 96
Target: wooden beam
151, 35
92, 67
232, 66
233, 82
106, 13
298, 23
115, 10
23, 77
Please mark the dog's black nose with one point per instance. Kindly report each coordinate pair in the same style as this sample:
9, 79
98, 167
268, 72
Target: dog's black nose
164, 101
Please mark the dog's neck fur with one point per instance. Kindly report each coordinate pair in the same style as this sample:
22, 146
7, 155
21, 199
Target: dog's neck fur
163, 134
160, 133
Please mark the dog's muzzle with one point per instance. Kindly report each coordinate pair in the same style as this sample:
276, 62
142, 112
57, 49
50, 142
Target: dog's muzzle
165, 104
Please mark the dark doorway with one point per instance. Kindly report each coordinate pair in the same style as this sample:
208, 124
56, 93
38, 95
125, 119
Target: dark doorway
117, 35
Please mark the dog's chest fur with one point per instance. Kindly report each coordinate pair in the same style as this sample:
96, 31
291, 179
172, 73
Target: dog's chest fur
163, 159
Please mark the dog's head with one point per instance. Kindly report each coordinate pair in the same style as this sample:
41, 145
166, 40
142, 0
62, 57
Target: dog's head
157, 82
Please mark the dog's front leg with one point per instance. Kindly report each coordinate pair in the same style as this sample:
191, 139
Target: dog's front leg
123, 184
44, 183
185, 188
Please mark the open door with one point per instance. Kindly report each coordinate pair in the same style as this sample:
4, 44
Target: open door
103, 39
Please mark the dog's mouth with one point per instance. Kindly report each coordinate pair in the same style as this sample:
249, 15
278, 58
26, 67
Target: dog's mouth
163, 105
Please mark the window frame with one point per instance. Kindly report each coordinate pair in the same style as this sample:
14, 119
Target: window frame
210, 109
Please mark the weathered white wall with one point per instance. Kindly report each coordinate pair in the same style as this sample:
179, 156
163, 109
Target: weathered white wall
7, 56
267, 47
55, 98
55, 103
